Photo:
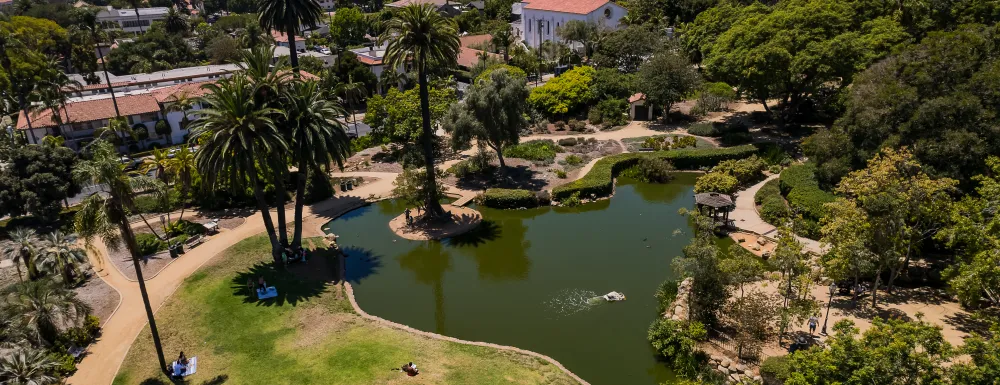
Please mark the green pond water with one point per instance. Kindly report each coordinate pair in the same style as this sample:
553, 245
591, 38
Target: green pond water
528, 278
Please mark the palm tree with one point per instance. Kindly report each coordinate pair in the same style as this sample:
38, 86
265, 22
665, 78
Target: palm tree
502, 40
420, 31
86, 19
288, 16
175, 22
135, 7
106, 216
28, 366
160, 161
21, 249
39, 306
269, 82
253, 35
317, 137
182, 166
182, 102
61, 254
52, 91
235, 134
352, 92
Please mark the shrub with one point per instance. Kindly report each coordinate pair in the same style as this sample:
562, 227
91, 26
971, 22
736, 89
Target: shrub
513, 71
744, 170
561, 174
576, 125
716, 182
677, 343
775, 369
318, 187
574, 160
665, 295
594, 116
799, 185
611, 111
735, 138
146, 204
565, 93
684, 141
651, 170
655, 143
560, 125
149, 244
67, 364
537, 150
162, 127
568, 142
714, 96
704, 129
772, 205
600, 180
92, 325
186, 227
572, 200
501, 198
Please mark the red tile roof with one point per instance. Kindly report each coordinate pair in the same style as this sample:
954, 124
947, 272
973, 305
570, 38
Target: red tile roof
90, 110
469, 57
369, 61
193, 90
582, 7
471, 40
281, 37
637, 97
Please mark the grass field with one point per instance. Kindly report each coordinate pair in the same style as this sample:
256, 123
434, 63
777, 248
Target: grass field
308, 335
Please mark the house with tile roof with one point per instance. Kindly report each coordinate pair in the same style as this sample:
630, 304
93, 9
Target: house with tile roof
142, 99
541, 18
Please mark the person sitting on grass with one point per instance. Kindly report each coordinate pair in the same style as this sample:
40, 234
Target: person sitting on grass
410, 369
261, 284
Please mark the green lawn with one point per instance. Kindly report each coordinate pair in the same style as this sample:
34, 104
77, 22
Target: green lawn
309, 335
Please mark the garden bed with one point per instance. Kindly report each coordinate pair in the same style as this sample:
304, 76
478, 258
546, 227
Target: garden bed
636, 144
103, 299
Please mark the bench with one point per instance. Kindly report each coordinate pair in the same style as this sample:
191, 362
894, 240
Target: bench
194, 241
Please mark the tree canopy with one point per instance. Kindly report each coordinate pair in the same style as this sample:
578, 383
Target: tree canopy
36, 181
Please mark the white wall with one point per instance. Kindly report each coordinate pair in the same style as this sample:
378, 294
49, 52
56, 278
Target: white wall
551, 20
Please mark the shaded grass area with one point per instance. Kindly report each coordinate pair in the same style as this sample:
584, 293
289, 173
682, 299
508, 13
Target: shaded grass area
308, 335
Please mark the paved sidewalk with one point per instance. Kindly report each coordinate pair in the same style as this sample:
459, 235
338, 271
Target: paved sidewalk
746, 218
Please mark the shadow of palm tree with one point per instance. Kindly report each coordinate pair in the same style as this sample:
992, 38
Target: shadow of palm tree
292, 288
360, 264
487, 230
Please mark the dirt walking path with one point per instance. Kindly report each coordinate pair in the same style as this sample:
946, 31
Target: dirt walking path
746, 218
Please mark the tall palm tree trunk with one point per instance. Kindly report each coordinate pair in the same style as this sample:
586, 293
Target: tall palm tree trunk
133, 247
300, 193
265, 212
107, 78
280, 169
431, 204
293, 54
27, 117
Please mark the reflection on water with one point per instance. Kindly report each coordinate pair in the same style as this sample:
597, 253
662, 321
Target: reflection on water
529, 278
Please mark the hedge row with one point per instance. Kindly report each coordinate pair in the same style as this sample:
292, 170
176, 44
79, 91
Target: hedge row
801, 189
502, 198
600, 180
772, 205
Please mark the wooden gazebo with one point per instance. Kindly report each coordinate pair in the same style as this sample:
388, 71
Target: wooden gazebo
713, 204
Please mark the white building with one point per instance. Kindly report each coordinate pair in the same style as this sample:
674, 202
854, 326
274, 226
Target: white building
142, 99
541, 18
281, 40
125, 19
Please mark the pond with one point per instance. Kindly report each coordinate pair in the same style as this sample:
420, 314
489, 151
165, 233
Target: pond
528, 278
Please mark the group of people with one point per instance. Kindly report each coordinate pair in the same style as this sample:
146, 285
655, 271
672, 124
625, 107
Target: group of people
410, 369
260, 286
409, 217
293, 255
181, 366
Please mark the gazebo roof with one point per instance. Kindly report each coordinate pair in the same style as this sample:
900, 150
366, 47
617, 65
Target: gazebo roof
713, 199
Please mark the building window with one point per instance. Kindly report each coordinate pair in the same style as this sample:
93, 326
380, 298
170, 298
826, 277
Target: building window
607, 13
529, 26
135, 23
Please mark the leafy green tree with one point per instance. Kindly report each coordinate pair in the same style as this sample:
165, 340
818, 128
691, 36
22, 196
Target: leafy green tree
421, 33
742, 267
984, 367
41, 306
677, 342
845, 229
701, 262
902, 205
972, 232
719, 182
753, 317
788, 259
396, 116
667, 78
36, 180
831, 42
152, 51
584, 32
107, 216
352, 92
890, 352
222, 50
502, 40
936, 97
348, 67
21, 250
288, 16
627, 48
410, 187
348, 27
317, 139
564, 94
239, 139
612, 84
492, 113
